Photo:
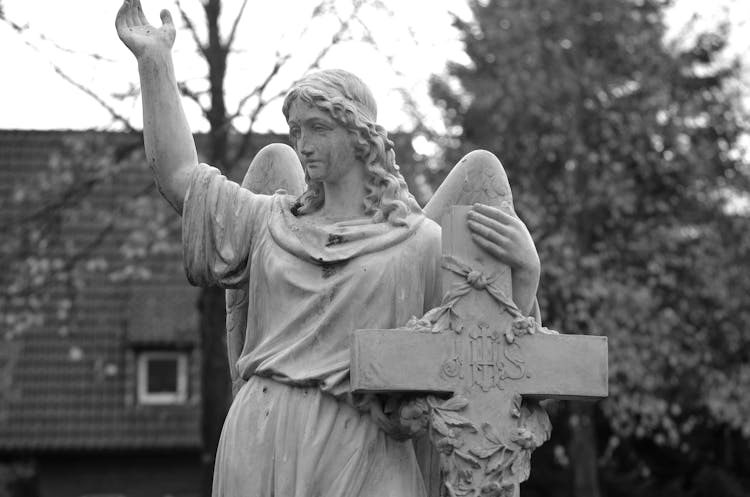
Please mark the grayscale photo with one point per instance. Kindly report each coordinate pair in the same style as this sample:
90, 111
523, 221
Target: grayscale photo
375, 248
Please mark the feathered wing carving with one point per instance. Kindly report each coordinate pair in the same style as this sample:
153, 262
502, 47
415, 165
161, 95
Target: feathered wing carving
275, 167
477, 178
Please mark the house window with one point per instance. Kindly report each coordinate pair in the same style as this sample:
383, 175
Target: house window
162, 377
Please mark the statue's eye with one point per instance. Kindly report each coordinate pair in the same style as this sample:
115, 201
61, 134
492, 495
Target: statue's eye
294, 133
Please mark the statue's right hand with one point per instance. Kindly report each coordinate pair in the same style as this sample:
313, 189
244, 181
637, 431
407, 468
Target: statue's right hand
140, 36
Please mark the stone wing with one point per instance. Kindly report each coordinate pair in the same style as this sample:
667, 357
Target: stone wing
275, 167
477, 178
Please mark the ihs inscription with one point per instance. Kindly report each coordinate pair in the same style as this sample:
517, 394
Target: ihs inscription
484, 360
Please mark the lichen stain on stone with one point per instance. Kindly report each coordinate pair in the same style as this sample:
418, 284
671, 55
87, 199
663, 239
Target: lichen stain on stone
334, 239
329, 268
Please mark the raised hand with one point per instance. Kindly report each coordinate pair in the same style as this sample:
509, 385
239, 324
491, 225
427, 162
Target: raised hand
170, 149
138, 35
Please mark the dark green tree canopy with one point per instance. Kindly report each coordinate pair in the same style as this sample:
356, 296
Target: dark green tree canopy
622, 150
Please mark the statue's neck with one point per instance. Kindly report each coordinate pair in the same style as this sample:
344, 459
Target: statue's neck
344, 197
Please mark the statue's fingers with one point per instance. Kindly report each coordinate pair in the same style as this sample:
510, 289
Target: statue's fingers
121, 19
490, 223
500, 214
166, 18
133, 13
139, 13
494, 249
488, 233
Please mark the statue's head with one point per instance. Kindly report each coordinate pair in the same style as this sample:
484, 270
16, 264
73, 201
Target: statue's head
350, 103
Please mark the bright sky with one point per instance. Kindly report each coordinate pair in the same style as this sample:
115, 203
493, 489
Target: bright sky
418, 38
34, 96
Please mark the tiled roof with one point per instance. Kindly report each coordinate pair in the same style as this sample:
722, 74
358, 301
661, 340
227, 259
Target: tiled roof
73, 387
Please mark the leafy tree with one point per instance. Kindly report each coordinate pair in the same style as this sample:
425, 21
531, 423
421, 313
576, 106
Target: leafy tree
623, 150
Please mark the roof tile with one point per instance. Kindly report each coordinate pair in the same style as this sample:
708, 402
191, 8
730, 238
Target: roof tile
63, 391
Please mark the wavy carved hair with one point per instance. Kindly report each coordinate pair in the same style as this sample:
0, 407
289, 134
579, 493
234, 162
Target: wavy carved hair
351, 104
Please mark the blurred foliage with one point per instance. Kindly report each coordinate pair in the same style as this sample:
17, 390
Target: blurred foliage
90, 211
623, 152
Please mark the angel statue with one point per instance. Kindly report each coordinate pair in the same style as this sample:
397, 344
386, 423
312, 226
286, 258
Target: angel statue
303, 269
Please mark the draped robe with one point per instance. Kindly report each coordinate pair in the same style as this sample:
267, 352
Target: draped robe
294, 429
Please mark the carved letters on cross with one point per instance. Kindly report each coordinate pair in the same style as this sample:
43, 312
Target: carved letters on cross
483, 359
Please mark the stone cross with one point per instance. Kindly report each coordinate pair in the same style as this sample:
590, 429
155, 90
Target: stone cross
480, 350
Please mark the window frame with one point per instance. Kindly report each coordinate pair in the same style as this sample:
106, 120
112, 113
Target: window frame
162, 398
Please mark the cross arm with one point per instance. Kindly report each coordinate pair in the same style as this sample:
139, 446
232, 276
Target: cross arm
543, 366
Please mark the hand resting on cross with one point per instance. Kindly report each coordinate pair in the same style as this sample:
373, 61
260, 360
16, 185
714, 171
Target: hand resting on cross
503, 235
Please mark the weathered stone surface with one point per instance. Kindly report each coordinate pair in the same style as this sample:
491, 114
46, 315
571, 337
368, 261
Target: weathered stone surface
478, 347
554, 366
354, 250
275, 167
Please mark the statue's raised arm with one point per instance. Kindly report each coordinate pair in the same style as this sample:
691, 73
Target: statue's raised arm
170, 149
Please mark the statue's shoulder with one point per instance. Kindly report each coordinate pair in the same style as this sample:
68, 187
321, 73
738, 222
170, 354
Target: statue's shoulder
431, 228
428, 232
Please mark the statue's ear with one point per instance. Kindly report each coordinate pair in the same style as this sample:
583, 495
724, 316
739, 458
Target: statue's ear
477, 178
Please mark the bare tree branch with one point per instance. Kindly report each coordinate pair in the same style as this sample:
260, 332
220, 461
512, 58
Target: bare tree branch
336, 38
233, 31
115, 115
73, 259
280, 61
47, 210
132, 92
247, 136
320, 9
410, 104
193, 30
72, 195
194, 96
380, 5
24, 29
258, 90
61, 72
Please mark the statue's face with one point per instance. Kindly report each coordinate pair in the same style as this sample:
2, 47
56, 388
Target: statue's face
324, 147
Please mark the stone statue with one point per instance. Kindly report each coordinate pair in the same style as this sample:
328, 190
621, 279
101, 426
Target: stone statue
352, 251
